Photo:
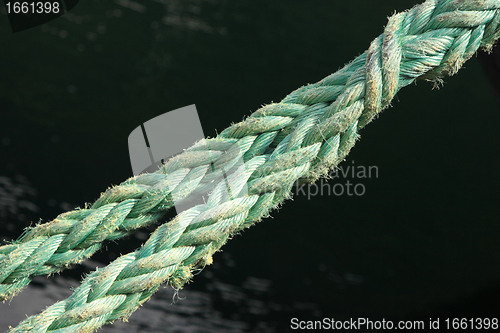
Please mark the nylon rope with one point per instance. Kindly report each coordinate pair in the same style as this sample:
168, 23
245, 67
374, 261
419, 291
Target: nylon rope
300, 138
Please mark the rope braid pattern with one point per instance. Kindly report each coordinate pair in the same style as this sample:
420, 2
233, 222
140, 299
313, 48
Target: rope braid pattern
309, 132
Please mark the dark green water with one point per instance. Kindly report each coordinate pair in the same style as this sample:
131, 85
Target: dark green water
421, 242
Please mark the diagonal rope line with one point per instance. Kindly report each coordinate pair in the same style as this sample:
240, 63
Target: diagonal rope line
309, 132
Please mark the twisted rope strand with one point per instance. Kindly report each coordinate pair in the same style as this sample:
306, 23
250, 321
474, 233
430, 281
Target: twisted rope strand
310, 131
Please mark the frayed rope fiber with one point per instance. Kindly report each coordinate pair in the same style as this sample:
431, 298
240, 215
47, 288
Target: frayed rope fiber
304, 136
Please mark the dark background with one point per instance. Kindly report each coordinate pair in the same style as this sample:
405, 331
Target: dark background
421, 243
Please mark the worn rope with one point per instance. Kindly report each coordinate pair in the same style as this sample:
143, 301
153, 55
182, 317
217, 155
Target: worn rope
309, 132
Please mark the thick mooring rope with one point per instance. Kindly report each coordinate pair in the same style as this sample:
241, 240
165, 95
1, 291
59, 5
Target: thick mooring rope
309, 132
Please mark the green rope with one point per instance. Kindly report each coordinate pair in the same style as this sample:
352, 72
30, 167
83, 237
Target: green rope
309, 132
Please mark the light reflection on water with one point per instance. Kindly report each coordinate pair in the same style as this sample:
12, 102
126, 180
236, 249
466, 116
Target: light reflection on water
15, 196
177, 15
194, 312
